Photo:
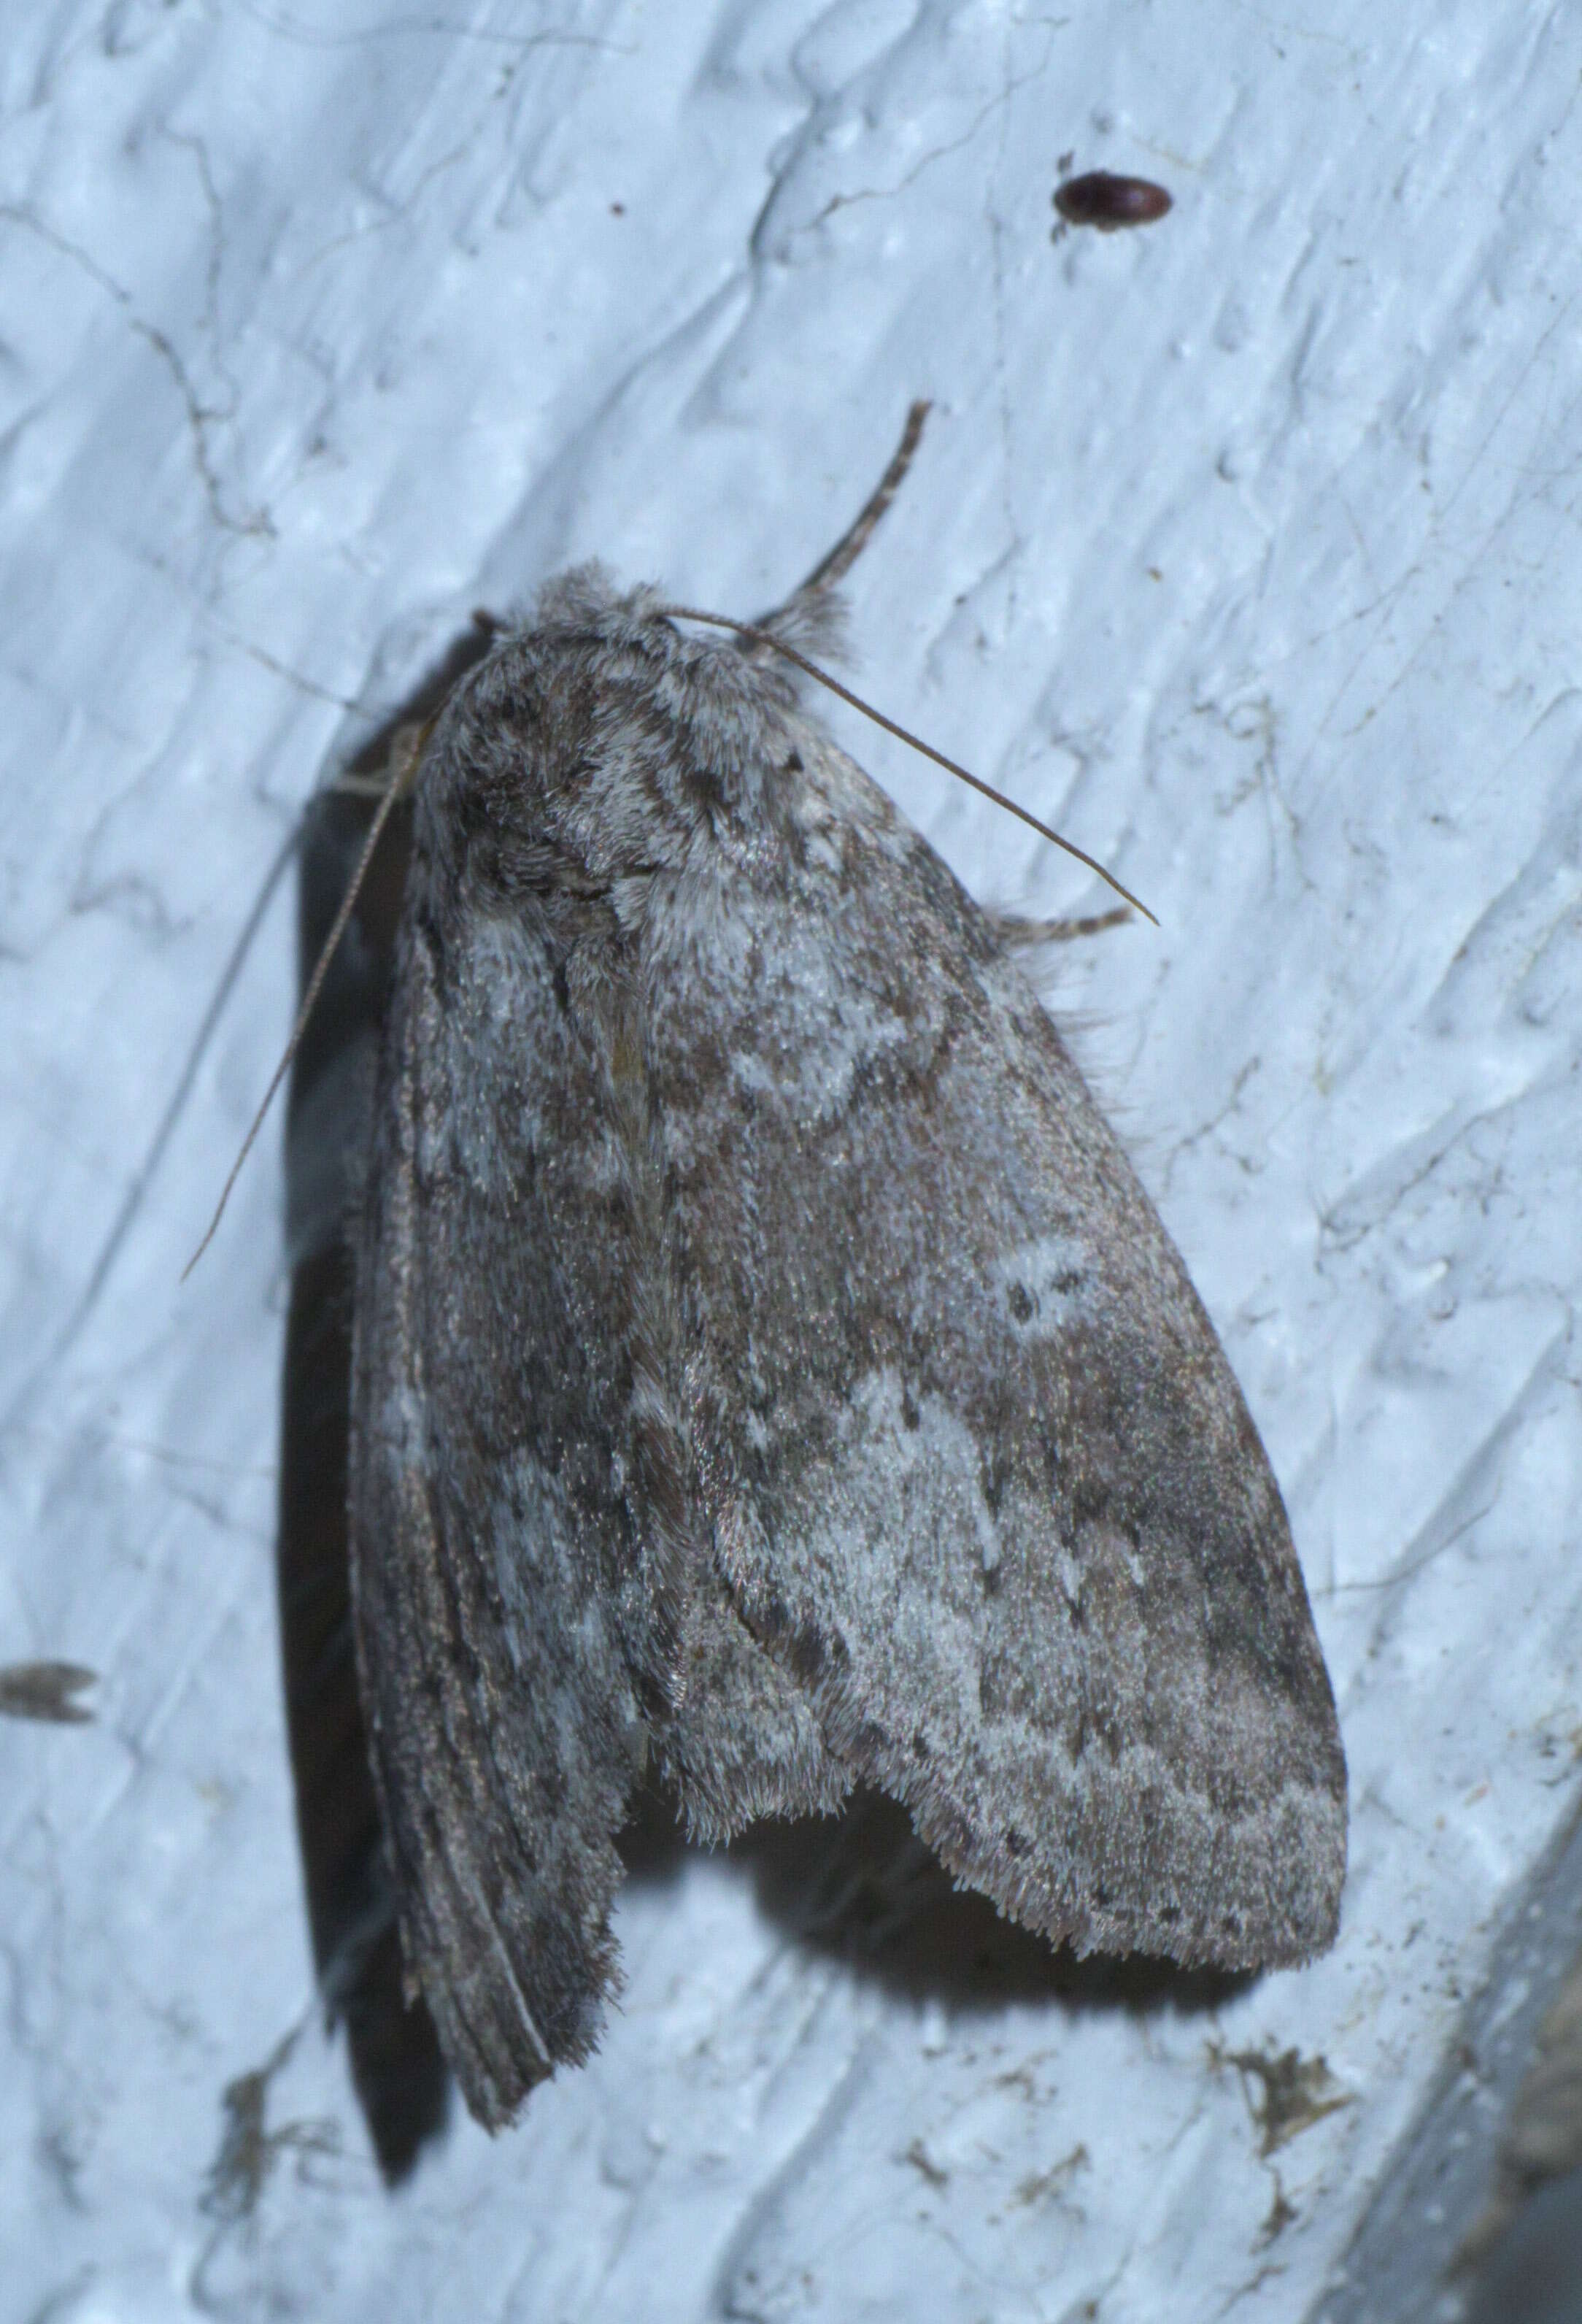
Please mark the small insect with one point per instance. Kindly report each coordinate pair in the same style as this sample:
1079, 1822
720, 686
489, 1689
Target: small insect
45, 1691
767, 1369
1097, 198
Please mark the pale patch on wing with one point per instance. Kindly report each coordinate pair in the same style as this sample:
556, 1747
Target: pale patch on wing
1044, 1286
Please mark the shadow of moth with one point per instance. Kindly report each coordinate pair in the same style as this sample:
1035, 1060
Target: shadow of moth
768, 1367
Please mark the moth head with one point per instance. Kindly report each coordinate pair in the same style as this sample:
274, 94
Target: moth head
598, 742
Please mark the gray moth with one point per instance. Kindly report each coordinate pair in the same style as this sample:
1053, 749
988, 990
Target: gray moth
767, 1369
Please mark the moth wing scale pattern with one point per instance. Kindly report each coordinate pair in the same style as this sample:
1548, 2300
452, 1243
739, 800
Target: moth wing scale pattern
975, 1464
503, 1740
534, 1614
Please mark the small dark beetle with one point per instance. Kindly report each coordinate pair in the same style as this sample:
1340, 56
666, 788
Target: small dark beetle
1097, 199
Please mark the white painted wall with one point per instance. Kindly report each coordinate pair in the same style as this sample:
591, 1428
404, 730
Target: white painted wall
1246, 547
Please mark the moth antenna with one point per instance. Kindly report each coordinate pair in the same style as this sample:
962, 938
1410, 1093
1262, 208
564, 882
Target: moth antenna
407, 751
903, 734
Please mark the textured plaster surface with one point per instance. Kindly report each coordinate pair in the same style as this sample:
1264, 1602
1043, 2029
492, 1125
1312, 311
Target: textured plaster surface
1247, 548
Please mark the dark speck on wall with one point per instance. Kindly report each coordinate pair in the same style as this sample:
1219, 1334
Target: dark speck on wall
1097, 198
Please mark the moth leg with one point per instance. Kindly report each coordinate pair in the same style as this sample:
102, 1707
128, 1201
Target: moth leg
397, 771
1018, 934
390, 760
